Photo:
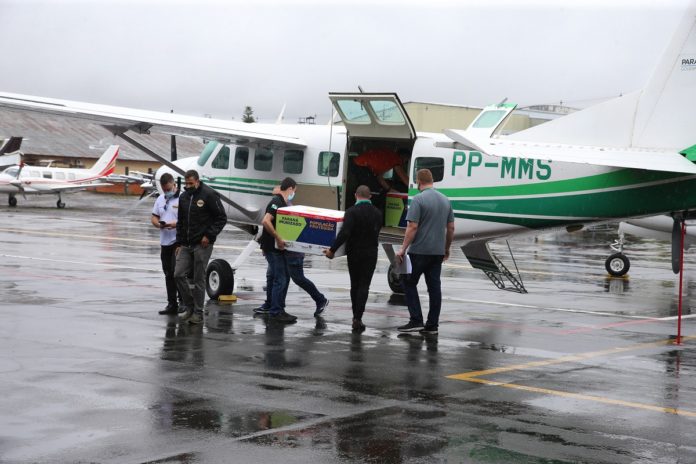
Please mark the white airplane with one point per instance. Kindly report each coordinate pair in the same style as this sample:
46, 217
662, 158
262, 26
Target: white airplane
39, 180
629, 157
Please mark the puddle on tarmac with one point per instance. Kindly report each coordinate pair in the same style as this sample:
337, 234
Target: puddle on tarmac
220, 417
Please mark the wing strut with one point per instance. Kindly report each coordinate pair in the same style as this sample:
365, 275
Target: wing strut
251, 214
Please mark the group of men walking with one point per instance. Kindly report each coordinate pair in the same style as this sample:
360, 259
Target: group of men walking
190, 223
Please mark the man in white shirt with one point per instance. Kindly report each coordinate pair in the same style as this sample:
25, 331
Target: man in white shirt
164, 217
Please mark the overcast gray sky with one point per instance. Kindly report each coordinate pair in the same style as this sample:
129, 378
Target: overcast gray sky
215, 57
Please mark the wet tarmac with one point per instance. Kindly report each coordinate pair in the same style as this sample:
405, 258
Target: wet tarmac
581, 369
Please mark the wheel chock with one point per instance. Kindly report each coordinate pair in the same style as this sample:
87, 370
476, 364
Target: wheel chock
227, 298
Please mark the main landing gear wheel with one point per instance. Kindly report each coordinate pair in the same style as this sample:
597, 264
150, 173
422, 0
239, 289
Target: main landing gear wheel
394, 280
12, 201
60, 204
219, 278
617, 264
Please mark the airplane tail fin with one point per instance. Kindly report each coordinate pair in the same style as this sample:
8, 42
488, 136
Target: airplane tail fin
11, 145
659, 116
106, 163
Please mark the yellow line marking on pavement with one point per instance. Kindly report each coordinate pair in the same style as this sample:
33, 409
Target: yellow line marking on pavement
562, 359
474, 377
579, 396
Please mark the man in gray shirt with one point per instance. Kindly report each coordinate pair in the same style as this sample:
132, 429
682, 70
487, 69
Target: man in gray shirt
427, 239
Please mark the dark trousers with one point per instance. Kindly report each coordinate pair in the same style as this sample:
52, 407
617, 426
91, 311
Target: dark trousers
192, 260
361, 266
277, 274
295, 268
168, 258
430, 266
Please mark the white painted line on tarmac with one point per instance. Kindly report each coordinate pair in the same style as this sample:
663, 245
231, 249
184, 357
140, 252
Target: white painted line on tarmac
87, 263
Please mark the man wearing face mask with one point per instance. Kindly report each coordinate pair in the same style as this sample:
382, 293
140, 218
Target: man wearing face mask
164, 217
273, 247
201, 219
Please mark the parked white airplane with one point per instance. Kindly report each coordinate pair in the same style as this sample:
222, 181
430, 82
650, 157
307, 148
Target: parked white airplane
629, 157
38, 180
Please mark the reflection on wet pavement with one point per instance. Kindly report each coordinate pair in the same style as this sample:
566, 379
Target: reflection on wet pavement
91, 372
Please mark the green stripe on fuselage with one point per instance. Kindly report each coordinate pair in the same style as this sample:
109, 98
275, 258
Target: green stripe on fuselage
638, 201
614, 179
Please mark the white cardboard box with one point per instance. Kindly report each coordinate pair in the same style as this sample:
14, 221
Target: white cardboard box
306, 229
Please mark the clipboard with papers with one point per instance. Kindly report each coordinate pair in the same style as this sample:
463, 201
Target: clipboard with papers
399, 267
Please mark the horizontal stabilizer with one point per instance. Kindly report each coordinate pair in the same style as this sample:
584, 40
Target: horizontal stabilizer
10, 160
634, 158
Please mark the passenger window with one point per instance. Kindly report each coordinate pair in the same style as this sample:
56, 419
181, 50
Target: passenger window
489, 119
387, 112
60, 175
436, 166
354, 112
205, 154
47, 175
34, 174
241, 158
328, 163
71, 175
292, 161
263, 159
222, 160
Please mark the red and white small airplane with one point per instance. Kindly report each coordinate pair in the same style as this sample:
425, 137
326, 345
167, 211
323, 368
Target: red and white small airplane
38, 180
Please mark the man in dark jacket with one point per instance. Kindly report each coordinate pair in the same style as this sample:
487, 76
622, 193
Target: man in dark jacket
360, 232
201, 218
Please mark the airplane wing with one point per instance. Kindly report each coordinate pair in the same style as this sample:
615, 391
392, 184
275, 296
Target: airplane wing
26, 187
120, 119
635, 158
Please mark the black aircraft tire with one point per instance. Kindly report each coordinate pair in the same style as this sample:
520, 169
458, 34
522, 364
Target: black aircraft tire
12, 201
617, 264
219, 278
60, 204
394, 280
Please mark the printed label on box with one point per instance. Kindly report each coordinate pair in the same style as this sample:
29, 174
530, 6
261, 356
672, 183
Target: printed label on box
395, 210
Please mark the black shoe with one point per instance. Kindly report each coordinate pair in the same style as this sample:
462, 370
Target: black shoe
321, 307
170, 309
186, 315
411, 327
283, 317
262, 310
429, 330
358, 326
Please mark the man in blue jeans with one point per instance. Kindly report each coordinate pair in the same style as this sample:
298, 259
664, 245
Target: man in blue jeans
295, 262
273, 247
428, 237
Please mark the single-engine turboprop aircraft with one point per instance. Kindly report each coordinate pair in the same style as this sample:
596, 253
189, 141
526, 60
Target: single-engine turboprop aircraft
629, 157
39, 180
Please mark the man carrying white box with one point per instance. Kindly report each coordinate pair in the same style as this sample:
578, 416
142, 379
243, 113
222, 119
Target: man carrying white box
273, 247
